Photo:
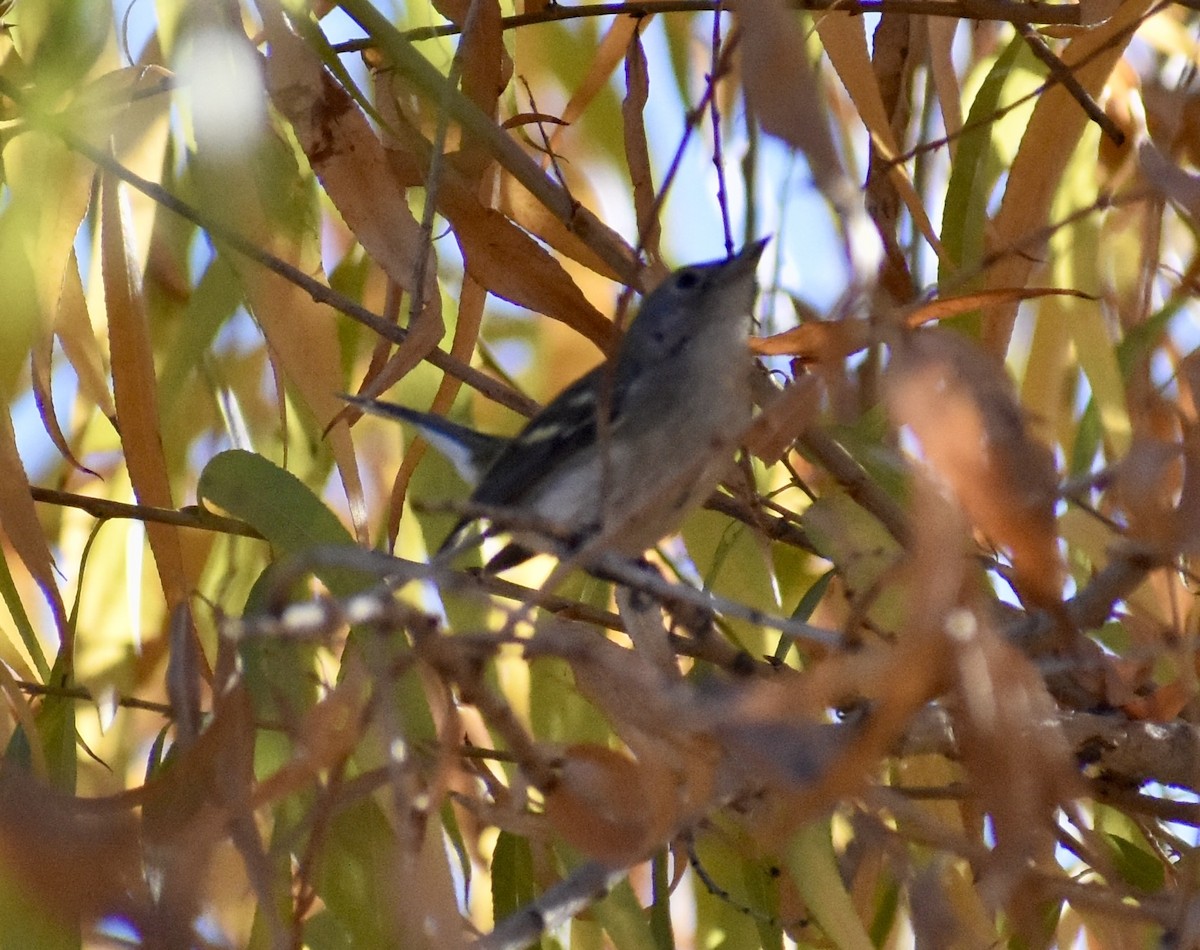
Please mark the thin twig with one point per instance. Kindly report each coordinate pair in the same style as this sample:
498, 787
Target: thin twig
78, 692
1038, 13
1061, 73
184, 518
715, 118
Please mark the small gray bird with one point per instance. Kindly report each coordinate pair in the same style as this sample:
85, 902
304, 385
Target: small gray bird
677, 395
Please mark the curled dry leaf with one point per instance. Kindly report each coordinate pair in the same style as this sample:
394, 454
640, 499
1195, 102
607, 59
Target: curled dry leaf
136, 391
530, 118
844, 39
1157, 484
961, 407
73, 327
637, 149
832, 341
1187, 512
40, 371
498, 254
1017, 759
784, 419
487, 67
945, 308
824, 342
350, 162
609, 806
1145, 485
329, 731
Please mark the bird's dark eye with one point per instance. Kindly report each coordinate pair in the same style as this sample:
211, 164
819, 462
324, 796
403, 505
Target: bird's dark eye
687, 279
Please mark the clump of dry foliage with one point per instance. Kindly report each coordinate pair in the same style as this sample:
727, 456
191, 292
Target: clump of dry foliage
925, 669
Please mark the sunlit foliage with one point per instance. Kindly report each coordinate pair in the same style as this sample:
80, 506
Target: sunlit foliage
924, 668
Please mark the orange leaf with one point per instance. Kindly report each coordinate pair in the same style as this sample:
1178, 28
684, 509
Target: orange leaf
73, 327
498, 254
487, 67
960, 405
609, 806
136, 391
1046, 147
784, 420
351, 164
827, 342
946, 307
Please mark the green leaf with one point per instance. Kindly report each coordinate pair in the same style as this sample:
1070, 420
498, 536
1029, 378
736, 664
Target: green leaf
354, 869
1137, 867
216, 296
804, 609
725, 890
280, 507
981, 156
814, 869
761, 878
660, 910
512, 875
623, 919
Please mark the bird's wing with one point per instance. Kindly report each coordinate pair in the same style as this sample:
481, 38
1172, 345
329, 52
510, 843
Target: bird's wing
549, 439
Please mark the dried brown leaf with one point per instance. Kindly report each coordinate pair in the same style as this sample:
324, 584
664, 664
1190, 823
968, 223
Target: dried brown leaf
530, 214
1186, 520
844, 40
960, 405
351, 164
823, 342
209, 779
782, 87
784, 419
330, 731
637, 149
303, 347
1145, 485
945, 308
1017, 759
40, 371
1047, 145
189, 809
609, 54
1171, 181
941, 33
73, 327
609, 806
530, 118
72, 861
136, 391
486, 65
498, 254
512, 265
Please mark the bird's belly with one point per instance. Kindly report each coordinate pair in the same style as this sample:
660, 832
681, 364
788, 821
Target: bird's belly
631, 494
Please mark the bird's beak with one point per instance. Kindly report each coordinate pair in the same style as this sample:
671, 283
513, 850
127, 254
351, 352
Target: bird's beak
747, 258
